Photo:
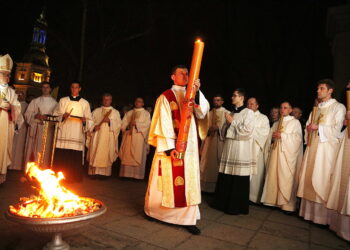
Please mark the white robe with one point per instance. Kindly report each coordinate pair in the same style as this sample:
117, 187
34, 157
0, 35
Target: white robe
315, 175
339, 195
260, 134
71, 132
103, 146
162, 136
211, 151
134, 147
283, 164
19, 142
8, 98
44, 105
238, 156
339, 223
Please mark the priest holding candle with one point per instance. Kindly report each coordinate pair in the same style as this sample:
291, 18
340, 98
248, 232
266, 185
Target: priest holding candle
174, 191
75, 120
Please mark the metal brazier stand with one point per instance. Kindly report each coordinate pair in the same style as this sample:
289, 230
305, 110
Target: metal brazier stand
56, 226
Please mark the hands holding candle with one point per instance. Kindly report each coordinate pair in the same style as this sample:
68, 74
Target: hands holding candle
106, 119
312, 127
4, 104
229, 118
197, 85
276, 135
65, 116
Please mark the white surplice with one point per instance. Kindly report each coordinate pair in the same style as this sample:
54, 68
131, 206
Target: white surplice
211, 150
19, 142
103, 146
159, 201
283, 164
238, 156
134, 147
44, 105
71, 132
319, 161
8, 120
339, 195
260, 135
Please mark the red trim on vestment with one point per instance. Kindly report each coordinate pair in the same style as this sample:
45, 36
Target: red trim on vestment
178, 168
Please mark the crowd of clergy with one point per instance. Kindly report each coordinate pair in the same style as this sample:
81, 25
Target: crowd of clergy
244, 157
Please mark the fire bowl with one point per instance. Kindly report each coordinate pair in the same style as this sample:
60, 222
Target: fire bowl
56, 226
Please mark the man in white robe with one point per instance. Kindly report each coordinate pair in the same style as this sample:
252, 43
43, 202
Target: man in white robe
285, 157
238, 160
75, 120
103, 146
134, 147
161, 199
10, 110
19, 138
320, 156
212, 146
38, 111
339, 195
260, 134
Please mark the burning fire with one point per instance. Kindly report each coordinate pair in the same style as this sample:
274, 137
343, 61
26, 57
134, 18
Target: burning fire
53, 200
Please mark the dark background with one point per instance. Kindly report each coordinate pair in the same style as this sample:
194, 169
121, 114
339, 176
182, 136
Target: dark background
275, 49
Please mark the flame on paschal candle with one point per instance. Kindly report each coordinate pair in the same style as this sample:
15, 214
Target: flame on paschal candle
53, 200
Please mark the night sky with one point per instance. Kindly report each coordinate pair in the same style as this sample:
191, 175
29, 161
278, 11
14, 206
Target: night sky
276, 50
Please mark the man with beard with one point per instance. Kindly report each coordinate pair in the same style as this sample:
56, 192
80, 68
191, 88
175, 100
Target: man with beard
212, 146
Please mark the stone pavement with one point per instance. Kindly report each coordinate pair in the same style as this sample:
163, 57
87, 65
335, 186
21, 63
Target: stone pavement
125, 227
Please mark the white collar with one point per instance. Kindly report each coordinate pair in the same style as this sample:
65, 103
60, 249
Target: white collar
3, 86
326, 103
138, 109
178, 88
288, 118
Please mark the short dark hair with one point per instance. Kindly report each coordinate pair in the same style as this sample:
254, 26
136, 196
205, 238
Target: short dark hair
76, 82
240, 91
290, 105
179, 66
329, 82
218, 95
256, 99
139, 97
46, 83
107, 94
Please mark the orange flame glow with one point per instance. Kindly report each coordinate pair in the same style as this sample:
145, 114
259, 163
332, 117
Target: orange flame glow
53, 199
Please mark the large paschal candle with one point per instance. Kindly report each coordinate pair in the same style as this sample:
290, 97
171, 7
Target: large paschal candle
195, 67
187, 105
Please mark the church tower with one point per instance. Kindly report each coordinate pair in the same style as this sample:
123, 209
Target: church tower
34, 69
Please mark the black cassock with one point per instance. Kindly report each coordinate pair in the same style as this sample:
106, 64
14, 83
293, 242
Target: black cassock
232, 191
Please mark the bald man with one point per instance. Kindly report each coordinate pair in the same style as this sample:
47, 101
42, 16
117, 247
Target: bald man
285, 157
134, 147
